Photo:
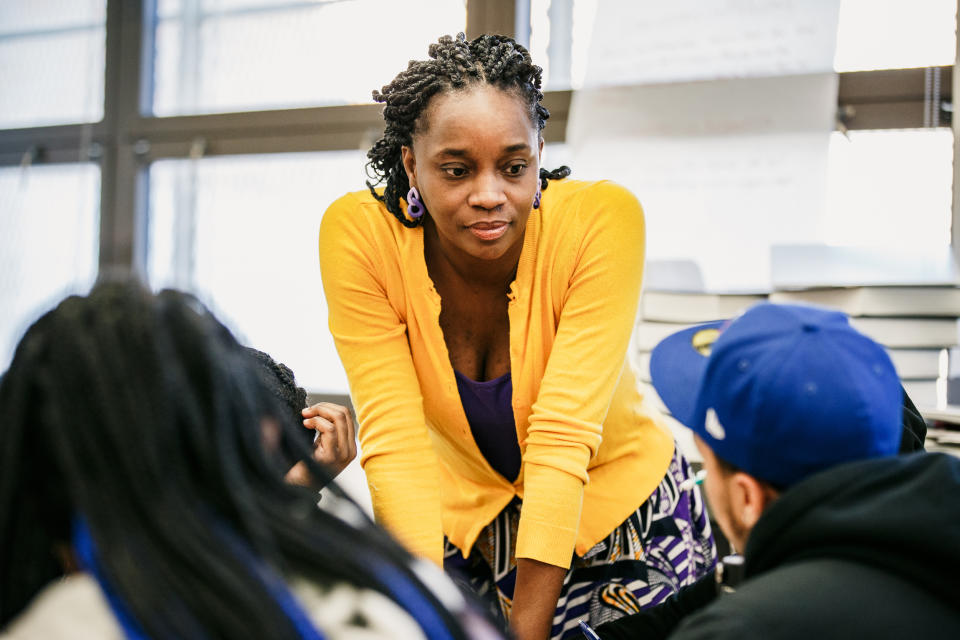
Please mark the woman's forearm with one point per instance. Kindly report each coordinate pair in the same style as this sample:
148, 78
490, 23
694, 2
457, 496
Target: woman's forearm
535, 598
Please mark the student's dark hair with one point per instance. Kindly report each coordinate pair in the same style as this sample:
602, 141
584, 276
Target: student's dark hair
280, 381
140, 416
728, 469
454, 65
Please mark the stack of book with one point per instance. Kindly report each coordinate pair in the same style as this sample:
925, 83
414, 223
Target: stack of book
675, 298
665, 312
908, 302
943, 430
909, 305
917, 325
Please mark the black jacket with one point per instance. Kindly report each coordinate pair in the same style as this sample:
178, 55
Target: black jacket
866, 550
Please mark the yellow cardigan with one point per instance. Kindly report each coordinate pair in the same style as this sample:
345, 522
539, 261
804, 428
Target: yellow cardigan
592, 449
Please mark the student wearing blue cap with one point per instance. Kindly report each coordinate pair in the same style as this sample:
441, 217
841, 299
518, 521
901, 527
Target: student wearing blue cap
799, 417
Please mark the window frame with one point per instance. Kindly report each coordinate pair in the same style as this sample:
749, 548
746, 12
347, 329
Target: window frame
126, 141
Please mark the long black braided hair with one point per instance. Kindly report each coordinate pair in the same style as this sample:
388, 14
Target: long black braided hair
141, 416
454, 64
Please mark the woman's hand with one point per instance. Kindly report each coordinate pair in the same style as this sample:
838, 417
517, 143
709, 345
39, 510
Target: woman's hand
535, 597
335, 445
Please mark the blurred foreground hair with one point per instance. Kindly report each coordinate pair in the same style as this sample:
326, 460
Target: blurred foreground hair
140, 417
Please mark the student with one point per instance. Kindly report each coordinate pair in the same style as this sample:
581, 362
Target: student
798, 418
482, 307
660, 621
132, 460
331, 435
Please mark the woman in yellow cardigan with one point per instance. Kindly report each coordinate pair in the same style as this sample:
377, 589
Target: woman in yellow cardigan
483, 320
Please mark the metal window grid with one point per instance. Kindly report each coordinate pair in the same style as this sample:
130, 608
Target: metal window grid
126, 141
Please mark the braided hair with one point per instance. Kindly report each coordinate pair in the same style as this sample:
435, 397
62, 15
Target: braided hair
454, 64
280, 381
140, 415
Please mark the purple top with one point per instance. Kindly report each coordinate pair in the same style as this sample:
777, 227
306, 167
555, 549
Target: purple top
489, 409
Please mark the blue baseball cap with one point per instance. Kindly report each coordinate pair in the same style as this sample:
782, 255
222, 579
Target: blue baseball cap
783, 391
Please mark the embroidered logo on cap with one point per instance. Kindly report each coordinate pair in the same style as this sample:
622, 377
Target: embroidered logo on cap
702, 341
713, 426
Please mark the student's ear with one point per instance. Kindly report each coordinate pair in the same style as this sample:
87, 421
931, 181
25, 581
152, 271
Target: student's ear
749, 499
409, 164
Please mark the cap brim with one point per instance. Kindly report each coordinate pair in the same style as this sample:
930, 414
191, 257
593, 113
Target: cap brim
677, 368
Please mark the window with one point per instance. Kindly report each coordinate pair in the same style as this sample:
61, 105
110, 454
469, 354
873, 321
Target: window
721, 119
650, 41
893, 34
49, 240
890, 188
217, 56
52, 52
241, 232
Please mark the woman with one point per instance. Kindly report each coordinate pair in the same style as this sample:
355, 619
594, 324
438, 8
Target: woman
132, 461
483, 321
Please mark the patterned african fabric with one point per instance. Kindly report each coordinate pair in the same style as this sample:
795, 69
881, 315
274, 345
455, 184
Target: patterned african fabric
665, 544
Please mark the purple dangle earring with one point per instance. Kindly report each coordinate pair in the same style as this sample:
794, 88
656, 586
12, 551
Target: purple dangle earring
536, 199
415, 206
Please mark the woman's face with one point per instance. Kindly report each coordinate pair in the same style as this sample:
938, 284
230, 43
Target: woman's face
476, 164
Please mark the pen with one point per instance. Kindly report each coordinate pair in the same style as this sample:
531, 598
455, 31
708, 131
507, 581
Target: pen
588, 631
689, 483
